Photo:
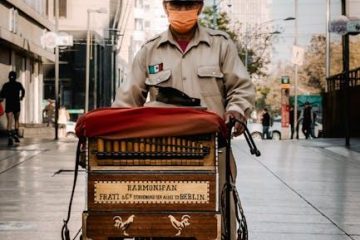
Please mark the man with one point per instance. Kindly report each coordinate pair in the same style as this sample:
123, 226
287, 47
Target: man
202, 63
49, 112
292, 117
13, 92
307, 120
265, 121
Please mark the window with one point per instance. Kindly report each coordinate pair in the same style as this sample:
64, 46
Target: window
139, 3
47, 7
37, 5
62, 8
147, 24
139, 24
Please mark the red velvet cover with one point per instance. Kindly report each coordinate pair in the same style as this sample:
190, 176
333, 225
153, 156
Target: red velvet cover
123, 123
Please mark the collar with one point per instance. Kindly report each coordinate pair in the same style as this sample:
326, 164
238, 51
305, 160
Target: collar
201, 35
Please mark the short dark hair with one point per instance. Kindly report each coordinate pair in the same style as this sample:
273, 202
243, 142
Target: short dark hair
12, 74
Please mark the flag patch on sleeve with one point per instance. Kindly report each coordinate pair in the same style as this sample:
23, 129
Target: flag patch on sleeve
155, 68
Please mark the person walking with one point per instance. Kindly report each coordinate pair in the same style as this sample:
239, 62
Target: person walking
313, 124
13, 92
292, 117
200, 62
49, 112
307, 120
265, 121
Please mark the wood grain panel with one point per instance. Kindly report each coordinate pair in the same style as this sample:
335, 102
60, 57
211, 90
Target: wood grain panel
177, 192
167, 225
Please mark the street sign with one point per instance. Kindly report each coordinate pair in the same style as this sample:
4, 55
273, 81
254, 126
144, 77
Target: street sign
339, 25
64, 39
285, 80
298, 55
343, 25
51, 40
48, 40
353, 26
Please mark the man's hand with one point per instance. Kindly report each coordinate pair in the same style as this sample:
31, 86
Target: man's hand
238, 128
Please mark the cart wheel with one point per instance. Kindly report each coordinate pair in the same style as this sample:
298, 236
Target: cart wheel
256, 135
276, 135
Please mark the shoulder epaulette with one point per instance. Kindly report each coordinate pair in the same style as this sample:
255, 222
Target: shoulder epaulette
152, 39
213, 32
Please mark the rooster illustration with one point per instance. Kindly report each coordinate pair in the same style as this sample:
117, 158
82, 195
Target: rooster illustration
123, 226
180, 225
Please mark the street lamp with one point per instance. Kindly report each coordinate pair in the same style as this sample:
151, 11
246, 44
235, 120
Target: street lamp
296, 67
56, 72
87, 68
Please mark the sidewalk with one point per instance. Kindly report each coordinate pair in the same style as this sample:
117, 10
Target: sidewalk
301, 189
297, 190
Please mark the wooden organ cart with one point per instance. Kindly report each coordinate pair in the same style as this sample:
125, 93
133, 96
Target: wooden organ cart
148, 178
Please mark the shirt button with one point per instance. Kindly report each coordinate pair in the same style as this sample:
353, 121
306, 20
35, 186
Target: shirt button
184, 78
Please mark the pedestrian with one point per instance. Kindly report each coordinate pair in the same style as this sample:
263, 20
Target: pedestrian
307, 120
202, 63
265, 121
313, 123
49, 112
64, 116
13, 92
292, 123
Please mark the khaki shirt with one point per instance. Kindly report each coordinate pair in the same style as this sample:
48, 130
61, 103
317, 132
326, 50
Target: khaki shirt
209, 69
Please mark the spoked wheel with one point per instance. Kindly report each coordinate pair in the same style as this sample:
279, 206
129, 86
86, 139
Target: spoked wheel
256, 135
276, 135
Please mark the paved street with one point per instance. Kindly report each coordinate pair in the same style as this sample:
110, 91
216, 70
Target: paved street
297, 190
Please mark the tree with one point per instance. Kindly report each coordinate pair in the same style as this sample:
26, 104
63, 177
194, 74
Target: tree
312, 73
311, 76
255, 45
313, 70
222, 22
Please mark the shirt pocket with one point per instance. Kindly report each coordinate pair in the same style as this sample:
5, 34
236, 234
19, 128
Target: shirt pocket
159, 79
210, 80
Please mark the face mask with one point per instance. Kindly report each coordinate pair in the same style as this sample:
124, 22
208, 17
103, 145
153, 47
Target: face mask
183, 21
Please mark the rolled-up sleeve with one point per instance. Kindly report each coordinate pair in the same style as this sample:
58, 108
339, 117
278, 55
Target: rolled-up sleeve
240, 91
133, 92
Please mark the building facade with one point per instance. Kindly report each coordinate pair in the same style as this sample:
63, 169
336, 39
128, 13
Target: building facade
76, 18
22, 23
141, 20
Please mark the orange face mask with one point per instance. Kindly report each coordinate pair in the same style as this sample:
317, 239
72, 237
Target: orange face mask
183, 21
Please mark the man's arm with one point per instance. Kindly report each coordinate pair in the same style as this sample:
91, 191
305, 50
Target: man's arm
22, 92
3, 92
133, 92
239, 90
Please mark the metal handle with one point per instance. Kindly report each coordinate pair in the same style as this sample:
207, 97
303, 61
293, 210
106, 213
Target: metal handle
250, 141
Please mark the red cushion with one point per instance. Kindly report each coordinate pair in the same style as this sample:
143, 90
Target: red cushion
144, 122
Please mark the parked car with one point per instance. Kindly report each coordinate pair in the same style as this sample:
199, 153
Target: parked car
318, 128
70, 129
255, 130
275, 130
